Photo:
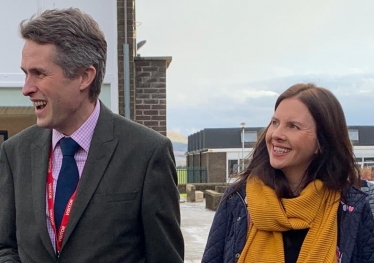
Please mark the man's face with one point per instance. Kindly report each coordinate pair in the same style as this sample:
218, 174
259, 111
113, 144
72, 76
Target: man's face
59, 102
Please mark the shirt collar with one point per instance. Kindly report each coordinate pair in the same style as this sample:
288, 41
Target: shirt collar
83, 135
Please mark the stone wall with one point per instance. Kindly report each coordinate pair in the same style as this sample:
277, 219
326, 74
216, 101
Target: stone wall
212, 199
202, 186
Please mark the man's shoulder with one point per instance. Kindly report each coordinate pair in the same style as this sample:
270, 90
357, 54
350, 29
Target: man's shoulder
26, 135
368, 188
112, 125
131, 128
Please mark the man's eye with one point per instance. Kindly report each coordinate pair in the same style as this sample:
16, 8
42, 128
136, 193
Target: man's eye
41, 75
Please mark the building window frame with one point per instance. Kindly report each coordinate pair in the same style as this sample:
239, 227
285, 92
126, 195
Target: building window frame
353, 135
249, 136
3, 136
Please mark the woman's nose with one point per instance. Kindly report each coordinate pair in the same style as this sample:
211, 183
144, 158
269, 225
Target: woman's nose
278, 133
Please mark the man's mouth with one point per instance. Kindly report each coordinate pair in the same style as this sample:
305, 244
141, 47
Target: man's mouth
40, 104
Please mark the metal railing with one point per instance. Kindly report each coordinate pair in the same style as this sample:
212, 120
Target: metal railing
192, 175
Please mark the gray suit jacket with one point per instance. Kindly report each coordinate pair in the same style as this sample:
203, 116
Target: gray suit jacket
126, 208
368, 188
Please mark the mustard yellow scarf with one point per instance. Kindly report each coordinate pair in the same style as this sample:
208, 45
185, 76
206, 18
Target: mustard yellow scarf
315, 208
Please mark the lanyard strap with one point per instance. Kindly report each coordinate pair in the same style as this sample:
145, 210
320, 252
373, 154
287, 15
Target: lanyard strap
51, 212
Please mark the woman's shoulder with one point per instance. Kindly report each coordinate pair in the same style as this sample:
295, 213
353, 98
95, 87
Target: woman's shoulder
236, 189
354, 197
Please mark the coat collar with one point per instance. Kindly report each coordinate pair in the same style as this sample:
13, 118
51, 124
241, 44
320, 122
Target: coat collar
40, 151
102, 147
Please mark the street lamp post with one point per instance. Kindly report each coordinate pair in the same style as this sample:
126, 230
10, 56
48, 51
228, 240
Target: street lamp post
242, 125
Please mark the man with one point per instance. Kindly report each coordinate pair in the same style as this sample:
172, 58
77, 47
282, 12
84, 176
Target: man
368, 188
113, 198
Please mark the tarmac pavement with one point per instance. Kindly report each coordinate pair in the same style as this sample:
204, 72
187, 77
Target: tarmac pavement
196, 221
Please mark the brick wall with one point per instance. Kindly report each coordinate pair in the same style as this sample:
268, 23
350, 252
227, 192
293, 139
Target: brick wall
130, 31
204, 160
150, 96
196, 160
216, 167
189, 160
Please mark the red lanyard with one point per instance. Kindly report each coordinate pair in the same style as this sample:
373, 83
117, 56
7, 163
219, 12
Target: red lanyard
65, 219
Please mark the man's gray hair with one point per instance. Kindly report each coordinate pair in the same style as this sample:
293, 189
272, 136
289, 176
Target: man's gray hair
78, 39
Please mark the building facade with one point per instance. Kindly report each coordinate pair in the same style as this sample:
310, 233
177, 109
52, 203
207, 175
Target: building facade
225, 151
133, 86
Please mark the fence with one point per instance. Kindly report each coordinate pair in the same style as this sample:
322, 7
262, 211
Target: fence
192, 175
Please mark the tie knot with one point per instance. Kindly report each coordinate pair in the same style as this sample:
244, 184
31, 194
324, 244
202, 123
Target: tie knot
68, 146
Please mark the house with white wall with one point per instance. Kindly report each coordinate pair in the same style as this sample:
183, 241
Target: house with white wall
223, 151
128, 83
16, 111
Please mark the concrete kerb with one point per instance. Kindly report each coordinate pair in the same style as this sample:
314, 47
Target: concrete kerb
191, 189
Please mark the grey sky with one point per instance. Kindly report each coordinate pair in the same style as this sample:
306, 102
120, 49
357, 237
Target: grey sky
232, 59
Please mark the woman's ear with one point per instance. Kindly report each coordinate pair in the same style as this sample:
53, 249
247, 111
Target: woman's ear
319, 149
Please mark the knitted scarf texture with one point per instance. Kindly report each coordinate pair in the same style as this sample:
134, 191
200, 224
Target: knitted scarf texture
315, 209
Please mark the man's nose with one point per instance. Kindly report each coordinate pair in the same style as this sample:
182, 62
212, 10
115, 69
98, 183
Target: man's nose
29, 87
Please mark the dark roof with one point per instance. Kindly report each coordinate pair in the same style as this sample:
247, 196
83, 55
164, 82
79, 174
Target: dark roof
365, 135
217, 138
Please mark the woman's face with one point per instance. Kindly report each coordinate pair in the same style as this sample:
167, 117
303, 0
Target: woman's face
291, 138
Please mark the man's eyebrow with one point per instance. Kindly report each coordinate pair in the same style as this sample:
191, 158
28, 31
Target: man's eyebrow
41, 70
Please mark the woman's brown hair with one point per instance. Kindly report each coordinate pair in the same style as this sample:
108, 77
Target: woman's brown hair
334, 164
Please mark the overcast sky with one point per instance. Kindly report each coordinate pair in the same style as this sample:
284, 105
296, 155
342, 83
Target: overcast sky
231, 59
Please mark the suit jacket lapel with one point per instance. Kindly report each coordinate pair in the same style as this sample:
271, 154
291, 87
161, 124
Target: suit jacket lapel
40, 151
101, 150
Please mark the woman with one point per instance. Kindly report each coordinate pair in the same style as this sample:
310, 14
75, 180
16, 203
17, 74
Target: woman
296, 201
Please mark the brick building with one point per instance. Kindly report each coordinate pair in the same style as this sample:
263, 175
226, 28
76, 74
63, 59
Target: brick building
133, 86
143, 93
222, 150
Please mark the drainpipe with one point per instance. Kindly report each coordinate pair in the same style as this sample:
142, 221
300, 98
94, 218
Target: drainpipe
126, 67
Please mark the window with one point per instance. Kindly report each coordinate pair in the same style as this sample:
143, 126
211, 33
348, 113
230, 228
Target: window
232, 166
368, 162
3, 136
250, 136
353, 135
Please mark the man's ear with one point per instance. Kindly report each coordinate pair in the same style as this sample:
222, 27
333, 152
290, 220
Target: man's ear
88, 77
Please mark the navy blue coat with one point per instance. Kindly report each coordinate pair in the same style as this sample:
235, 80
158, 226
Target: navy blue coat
228, 233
